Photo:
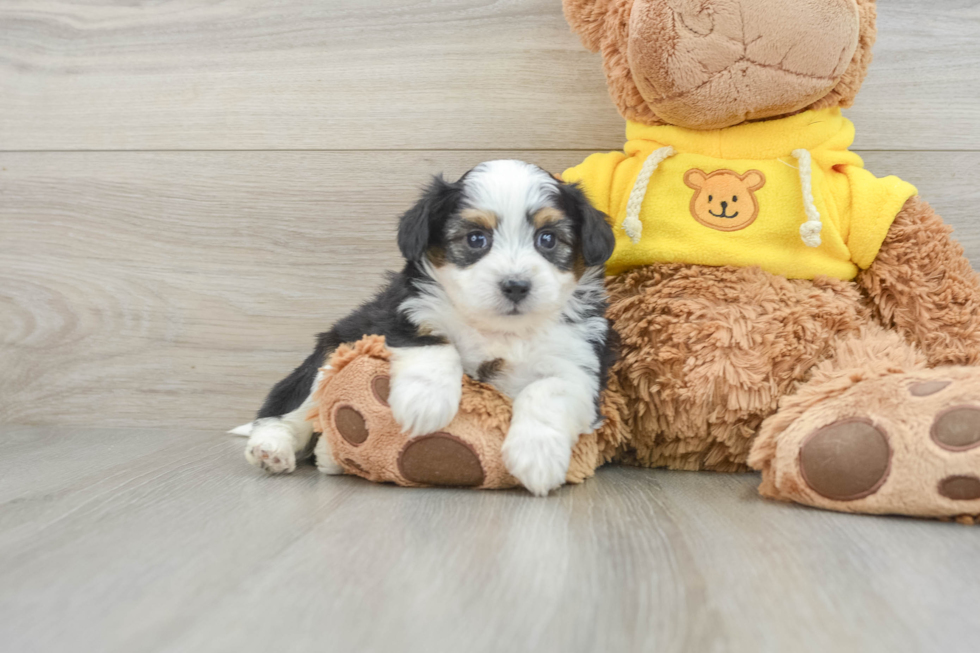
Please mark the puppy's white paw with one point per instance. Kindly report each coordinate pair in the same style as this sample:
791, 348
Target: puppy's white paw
274, 456
325, 462
271, 447
426, 386
537, 455
424, 405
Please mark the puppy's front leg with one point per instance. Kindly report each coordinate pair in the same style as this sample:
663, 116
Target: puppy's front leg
426, 386
549, 416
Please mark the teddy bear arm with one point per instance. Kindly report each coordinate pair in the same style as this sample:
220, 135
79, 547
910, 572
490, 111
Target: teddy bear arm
922, 285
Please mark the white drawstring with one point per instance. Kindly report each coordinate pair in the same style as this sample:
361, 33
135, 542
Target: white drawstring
809, 230
632, 224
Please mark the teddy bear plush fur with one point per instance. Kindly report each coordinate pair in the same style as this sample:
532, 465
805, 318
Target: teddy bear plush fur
858, 394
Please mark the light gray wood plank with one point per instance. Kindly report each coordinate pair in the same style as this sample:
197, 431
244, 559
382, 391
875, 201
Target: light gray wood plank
102, 550
174, 289
922, 88
389, 74
298, 74
188, 549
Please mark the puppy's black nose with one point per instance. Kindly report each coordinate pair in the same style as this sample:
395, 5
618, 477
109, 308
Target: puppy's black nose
515, 289
724, 206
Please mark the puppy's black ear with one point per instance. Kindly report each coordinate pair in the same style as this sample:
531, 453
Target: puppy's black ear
595, 236
421, 226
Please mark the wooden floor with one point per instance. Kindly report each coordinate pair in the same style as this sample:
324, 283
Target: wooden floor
190, 189
142, 540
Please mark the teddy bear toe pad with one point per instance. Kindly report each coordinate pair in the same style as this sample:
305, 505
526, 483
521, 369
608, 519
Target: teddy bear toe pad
350, 425
927, 388
441, 459
846, 460
900, 444
381, 387
958, 428
960, 488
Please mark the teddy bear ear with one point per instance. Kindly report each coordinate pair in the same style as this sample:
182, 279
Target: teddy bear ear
695, 179
587, 19
754, 180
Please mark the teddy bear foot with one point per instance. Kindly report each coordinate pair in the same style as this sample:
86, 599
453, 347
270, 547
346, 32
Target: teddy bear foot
360, 436
904, 444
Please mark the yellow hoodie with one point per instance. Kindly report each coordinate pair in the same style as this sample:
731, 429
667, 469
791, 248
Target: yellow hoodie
784, 194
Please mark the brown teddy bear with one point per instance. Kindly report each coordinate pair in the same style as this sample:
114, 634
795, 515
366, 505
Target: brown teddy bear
779, 306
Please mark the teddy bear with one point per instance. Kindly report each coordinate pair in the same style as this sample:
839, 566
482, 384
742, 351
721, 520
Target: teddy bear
780, 308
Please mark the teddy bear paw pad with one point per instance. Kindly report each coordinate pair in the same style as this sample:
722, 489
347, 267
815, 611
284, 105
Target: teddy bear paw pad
846, 460
381, 387
927, 388
351, 425
960, 488
440, 459
957, 429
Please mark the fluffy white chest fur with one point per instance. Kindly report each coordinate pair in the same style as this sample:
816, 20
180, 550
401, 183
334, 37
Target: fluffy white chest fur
517, 360
560, 345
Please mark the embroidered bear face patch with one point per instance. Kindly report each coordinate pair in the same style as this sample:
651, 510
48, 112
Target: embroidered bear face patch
725, 200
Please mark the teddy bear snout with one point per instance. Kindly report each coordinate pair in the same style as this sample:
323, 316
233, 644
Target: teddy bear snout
709, 64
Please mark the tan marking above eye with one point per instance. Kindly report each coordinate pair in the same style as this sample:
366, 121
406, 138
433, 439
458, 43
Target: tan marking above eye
486, 219
546, 216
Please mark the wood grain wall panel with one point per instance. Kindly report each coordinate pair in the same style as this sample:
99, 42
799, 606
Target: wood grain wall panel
141, 288
391, 74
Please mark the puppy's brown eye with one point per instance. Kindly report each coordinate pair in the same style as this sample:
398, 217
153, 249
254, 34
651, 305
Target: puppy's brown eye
477, 240
711, 198
735, 198
546, 240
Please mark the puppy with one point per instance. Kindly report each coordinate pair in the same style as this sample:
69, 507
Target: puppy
503, 281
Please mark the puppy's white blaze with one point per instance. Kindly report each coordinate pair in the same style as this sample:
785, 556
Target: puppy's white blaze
509, 188
426, 387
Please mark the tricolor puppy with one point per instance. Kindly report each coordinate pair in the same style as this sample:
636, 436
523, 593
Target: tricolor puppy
503, 281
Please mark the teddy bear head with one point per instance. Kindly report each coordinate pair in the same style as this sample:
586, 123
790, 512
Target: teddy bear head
710, 64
